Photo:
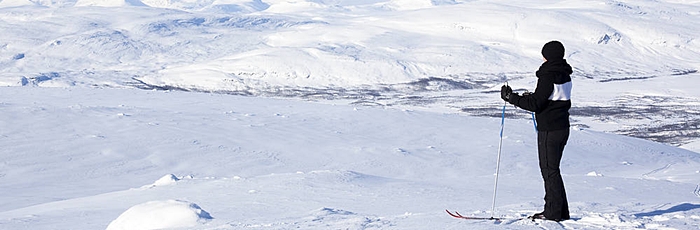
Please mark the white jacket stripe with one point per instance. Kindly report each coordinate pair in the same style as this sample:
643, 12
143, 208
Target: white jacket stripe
562, 92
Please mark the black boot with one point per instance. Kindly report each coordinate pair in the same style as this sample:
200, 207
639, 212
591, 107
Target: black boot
541, 216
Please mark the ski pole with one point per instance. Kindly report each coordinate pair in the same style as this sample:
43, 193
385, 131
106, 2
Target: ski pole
498, 162
534, 122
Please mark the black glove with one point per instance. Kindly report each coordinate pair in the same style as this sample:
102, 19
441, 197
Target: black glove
505, 92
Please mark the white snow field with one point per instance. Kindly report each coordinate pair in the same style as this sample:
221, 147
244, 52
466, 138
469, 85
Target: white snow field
328, 114
79, 158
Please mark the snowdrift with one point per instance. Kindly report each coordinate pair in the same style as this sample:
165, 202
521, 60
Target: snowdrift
160, 215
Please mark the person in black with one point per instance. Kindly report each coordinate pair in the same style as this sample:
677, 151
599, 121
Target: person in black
550, 102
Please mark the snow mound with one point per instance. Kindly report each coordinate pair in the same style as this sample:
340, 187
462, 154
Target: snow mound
165, 180
160, 215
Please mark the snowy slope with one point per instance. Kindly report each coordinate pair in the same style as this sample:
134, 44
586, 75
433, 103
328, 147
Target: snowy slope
79, 158
16, 3
326, 43
444, 55
109, 3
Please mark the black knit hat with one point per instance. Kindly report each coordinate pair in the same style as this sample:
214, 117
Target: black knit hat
553, 50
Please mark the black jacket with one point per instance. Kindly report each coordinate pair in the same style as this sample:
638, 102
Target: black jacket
552, 97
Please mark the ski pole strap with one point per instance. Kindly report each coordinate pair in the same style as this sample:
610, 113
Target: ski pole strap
534, 122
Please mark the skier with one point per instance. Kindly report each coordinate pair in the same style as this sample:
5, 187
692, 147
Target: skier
550, 102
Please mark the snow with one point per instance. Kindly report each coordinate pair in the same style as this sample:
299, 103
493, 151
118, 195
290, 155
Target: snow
165, 180
160, 215
76, 154
15, 3
327, 114
109, 3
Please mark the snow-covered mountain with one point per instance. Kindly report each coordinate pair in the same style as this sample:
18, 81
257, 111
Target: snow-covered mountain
358, 114
327, 43
373, 52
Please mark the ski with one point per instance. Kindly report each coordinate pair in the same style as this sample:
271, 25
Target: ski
457, 215
496, 219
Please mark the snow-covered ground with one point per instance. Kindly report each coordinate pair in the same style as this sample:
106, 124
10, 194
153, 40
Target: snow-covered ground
77, 158
326, 114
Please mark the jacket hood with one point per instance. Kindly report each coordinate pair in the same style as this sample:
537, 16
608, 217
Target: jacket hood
555, 66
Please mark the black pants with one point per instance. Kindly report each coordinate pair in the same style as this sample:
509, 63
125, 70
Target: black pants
550, 146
